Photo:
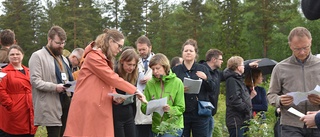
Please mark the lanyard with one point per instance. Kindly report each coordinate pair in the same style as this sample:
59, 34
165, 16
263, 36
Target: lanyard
57, 59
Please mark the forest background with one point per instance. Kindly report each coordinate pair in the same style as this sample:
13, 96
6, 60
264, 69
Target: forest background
248, 28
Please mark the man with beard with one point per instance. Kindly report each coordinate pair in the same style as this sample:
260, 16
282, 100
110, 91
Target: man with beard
49, 71
143, 122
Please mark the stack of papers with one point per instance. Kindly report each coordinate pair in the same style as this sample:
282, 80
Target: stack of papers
193, 85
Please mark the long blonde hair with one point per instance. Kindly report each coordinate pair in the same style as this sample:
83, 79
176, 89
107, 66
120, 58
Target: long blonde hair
102, 41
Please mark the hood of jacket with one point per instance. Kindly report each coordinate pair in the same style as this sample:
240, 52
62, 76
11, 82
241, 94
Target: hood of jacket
229, 73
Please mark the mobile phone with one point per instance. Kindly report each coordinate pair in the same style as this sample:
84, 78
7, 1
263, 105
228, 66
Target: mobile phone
67, 85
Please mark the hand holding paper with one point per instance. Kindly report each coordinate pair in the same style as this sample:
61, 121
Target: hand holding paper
156, 106
141, 97
309, 119
192, 85
302, 96
72, 87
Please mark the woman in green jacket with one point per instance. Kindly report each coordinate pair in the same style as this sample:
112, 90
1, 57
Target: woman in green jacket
163, 84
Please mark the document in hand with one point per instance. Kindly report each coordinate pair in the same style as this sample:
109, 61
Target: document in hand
193, 85
296, 112
302, 96
156, 106
72, 87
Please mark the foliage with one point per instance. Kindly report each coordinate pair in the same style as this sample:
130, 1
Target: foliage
168, 126
41, 132
258, 127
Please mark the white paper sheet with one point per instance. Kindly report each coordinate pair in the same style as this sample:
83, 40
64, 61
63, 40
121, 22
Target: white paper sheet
72, 87
302, 96
296, 112
193, 85
156, 106
2, 74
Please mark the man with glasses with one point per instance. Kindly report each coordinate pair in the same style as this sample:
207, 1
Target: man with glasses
74, 59
298, 73
143, 122
49, 71
213, 63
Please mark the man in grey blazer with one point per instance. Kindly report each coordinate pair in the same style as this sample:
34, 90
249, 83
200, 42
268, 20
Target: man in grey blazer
49, 71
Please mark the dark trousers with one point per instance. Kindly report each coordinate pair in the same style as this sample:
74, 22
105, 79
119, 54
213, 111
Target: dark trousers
237, 132
277, 128
198, 125
125, 128
65, 103
144, 130
4, 134
54, 131
290, 131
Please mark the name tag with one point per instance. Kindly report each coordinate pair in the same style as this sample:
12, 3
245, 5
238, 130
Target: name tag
64, 76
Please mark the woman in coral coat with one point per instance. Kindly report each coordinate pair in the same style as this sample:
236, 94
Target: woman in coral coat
16, 110
90, 112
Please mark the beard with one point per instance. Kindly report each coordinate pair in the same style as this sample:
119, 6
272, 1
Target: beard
56, 51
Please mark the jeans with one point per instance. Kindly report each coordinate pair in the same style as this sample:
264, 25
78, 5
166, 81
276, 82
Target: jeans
211, 127
124, 127
179, 132
198, 125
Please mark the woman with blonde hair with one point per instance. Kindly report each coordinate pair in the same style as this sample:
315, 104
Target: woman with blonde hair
90, 112
238, 100
163, 84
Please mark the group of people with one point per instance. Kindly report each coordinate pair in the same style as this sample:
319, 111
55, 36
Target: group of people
37, 96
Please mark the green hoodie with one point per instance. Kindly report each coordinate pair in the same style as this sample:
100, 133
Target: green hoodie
173, 90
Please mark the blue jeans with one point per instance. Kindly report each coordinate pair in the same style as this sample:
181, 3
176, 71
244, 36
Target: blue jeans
198, 125
211, 127
179, 132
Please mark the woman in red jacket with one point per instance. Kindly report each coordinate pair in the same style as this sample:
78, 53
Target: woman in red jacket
16, 110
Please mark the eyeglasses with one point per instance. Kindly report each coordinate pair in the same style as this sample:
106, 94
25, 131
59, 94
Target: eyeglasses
119, 45
59, 43
300, 49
